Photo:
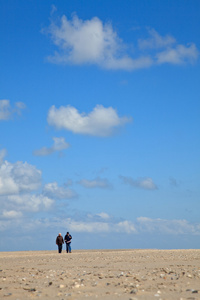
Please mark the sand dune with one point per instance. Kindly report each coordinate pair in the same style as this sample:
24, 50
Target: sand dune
102, 274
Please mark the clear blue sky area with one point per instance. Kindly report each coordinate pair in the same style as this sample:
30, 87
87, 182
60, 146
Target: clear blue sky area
99, 123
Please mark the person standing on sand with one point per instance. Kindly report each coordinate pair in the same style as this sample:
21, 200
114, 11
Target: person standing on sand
68, 239
59, 242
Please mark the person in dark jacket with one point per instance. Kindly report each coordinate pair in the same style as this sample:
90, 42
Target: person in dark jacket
59, 242
68, 239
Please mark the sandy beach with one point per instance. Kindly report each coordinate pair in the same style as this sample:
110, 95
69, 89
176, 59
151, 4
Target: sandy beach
102, 274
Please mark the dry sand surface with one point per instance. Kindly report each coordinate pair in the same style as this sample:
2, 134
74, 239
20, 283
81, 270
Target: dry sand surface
102, 274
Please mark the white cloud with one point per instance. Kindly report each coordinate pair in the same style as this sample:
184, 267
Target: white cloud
163, 226
58, 192
142, 225
11, 214
59, 145
18, 177
21, 194
100, 122
95, 183
100, 222
79, 226
103, 215
178, 55
18, 181
30, 202
92, 42
94, 224
126, 226
145, 183
7, 111
98, 226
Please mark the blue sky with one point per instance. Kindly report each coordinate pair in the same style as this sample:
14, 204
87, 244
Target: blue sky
99, 117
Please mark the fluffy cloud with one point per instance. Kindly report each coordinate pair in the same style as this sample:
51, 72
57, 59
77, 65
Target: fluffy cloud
92, 42
7, 111
145, 183
58, 192
20, 190
100, 122
59, 145
178, 55
95, 183
30, 202
171, 52
18, 177
11, 214
18, 181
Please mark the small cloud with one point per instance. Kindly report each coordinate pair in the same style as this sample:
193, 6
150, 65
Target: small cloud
126, 226
11, 214
53, 9
103, 215
7, 111
172, 52
156, 41
178, 55
95, 183
59, 145
19, 106
54, 191
100, 122
79, 226
145, 183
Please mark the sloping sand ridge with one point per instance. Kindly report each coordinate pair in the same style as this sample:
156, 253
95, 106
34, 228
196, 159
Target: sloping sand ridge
102, 274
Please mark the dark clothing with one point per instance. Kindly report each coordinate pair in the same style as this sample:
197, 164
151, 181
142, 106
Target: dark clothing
60, 248
59, 242
68, 239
